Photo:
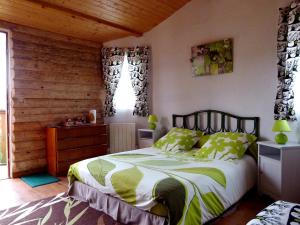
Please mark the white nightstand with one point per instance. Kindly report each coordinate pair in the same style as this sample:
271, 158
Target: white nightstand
147, 137
279, 170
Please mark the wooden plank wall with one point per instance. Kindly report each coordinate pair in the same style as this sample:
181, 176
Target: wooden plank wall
52, 77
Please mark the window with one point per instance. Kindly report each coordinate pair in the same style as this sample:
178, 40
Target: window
124, 98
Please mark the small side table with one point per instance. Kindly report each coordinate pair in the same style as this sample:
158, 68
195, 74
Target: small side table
279, 170
147, 137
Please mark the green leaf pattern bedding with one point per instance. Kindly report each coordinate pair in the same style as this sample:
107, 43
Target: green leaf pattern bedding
193, 190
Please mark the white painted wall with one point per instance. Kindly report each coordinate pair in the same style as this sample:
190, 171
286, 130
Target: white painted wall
249, 91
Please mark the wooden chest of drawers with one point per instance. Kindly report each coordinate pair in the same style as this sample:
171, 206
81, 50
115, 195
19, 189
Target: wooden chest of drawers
68, 145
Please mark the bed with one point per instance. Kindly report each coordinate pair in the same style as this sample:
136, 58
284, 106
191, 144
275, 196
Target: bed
148, 186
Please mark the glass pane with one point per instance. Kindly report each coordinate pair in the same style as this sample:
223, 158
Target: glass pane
124, 97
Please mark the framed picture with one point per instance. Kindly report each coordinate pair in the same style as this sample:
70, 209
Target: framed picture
213, 58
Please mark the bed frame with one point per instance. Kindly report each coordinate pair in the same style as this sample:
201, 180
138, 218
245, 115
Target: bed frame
208, 121
213, 121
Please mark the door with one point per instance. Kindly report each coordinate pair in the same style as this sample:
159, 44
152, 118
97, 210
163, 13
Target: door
4, 162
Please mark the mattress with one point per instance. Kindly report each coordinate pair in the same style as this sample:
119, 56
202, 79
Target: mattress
193, 191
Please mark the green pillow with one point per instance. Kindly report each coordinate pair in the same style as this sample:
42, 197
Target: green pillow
226, 146
202, 141
178, 139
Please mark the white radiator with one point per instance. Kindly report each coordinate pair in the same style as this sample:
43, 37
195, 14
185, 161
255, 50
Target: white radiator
122, 137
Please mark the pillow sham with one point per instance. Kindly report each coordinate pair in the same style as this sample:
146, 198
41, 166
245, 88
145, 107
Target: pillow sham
202, 141
178, 139
226, 146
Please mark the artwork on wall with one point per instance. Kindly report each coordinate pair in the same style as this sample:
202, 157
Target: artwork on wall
213, 58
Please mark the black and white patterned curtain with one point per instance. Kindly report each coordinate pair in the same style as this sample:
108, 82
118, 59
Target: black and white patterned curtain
112, 62
139, 70
288, 52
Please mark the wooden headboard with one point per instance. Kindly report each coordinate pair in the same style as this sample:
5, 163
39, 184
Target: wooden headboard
213, 121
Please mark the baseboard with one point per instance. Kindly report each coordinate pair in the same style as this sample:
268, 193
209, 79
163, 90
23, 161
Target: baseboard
29, 172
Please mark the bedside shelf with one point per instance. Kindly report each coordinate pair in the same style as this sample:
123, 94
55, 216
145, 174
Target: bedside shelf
278, 170
147, 137
274, 157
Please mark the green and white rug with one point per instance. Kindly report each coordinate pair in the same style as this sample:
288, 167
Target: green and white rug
58, 210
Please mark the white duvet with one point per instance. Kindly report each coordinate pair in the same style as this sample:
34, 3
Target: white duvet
194, 191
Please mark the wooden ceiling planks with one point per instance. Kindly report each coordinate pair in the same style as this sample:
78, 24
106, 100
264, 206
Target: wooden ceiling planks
118, 13
34, 15
94, 20
83, 15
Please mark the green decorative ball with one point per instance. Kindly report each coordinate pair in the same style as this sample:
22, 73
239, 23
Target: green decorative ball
281, 138
152, 126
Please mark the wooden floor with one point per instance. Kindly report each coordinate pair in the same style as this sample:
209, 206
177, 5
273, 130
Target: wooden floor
14, 192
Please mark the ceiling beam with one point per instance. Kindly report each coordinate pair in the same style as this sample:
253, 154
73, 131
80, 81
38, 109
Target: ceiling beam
85, 16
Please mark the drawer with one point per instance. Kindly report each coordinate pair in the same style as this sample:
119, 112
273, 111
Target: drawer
81, 153
145, 143
68, 157
270, 176
72, 132
80, 142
